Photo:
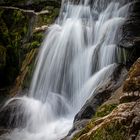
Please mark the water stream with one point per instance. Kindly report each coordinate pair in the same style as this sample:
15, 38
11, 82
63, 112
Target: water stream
77, 55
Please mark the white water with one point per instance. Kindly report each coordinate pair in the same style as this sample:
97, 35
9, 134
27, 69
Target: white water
78, 54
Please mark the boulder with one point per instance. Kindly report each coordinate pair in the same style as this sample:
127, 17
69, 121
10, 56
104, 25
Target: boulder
123, 123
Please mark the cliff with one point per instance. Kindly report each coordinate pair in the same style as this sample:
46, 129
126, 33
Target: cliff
21, 34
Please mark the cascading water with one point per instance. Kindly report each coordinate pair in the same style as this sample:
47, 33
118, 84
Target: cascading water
79, 53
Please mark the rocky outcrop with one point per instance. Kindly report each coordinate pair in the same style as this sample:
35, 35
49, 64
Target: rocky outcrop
15, 30
100, 95
131, 33
21, 33
123, 122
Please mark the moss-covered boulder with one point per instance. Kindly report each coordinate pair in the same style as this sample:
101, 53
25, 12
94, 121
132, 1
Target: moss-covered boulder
121, 124
119, 121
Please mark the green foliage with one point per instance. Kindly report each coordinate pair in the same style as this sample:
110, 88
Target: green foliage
13, 30
49, 17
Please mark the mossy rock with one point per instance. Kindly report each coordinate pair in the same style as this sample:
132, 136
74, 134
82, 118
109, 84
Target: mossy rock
101, 112
104, 110
111, 131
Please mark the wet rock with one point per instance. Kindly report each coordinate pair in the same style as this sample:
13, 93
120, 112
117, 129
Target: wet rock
3, 131
23, 79
121, 124
11, 115
124, 122
130, 39
131, 34
101, 95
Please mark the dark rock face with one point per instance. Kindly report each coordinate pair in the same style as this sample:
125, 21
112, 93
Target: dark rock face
12, 115
131, 33
21, 34
101, 95
131, 29
15, 29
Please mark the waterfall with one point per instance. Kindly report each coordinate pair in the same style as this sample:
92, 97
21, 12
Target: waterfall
78, 54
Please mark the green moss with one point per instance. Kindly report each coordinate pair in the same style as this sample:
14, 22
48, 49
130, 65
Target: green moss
105, 110
111, 131
101, 112
34, 42
38, 37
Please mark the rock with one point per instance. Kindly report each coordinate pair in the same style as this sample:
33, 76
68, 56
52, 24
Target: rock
131, 34
24, 78
12, 114
21, 32
130, 39
3, 131
122, 123
132, 83
129, 98
40, 29
101, 95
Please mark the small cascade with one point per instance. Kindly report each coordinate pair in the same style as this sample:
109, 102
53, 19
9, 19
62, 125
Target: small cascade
78, 55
